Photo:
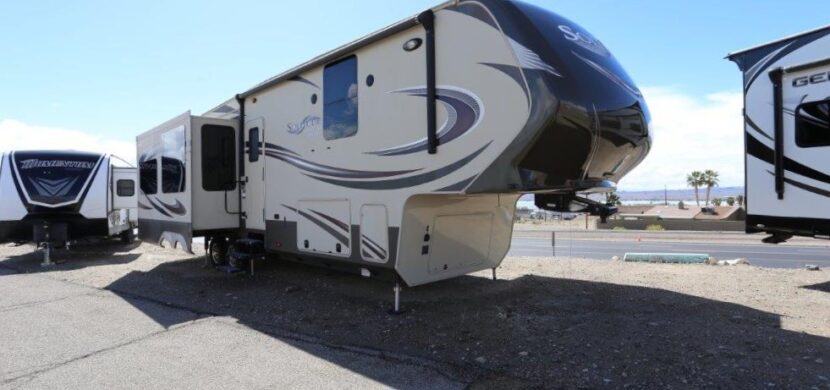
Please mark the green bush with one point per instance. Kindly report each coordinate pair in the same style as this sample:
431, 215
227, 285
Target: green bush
655, 228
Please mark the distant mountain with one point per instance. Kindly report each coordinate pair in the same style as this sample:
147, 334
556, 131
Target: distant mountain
684, 194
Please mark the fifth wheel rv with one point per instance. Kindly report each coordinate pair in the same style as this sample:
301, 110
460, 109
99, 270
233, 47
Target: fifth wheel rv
52, 198
402, 154
787, 132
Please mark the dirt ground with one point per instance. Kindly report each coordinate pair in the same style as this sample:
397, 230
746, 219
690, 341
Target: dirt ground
545, 323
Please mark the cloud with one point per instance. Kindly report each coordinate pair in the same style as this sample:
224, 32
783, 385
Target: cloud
691, 133
15, 135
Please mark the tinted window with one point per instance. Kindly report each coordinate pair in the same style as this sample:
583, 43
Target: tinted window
125, 188
218, 158
812, 124
340, 99
253, 141
148, 176
172, 161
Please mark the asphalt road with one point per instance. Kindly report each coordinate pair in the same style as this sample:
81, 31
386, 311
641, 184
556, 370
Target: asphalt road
61, 335
783, 256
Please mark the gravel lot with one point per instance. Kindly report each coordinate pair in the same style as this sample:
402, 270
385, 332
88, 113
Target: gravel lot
546, 323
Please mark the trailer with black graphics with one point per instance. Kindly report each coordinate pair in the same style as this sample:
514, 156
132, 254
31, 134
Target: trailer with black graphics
787, 133
53, 198
403, 154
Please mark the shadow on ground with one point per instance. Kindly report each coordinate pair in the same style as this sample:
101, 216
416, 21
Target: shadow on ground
530, 331
85, 255
825, 287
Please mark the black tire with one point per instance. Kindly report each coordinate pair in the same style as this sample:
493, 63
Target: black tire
127, 236
218, 252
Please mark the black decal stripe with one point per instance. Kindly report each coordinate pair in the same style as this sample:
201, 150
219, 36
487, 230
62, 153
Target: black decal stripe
457, 186
144, 206
339, 223
755, 148
176, 208
343, 240
753, 125
373, 245
405, 182
372, 249
337, 235
793, 47
327, 170
159, 208
304, 81
806, 187
278, 148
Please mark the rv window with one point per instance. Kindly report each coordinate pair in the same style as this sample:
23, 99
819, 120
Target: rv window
340, 99
812, 124
218, 158
148, 176
173, 161
125, 188
253, 141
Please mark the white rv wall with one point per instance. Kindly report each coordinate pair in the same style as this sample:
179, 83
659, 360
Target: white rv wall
11, 207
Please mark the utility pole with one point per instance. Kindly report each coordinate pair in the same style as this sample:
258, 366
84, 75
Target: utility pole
666, 194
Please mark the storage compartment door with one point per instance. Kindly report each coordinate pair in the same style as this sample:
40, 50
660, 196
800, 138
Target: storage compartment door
324, 227
460, 241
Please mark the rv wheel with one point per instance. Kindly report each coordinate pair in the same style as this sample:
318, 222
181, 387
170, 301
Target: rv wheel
127, 236
218, 252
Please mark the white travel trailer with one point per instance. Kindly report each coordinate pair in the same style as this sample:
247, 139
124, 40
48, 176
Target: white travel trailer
404, 153
787, 133
52, 198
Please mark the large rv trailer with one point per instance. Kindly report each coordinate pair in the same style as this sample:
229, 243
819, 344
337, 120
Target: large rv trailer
403, 153
787, 133
52, 198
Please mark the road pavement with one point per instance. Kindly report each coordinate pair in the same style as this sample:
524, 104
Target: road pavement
61, 335
763, 255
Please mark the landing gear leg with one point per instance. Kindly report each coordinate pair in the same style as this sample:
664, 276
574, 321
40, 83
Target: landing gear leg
494, 274
47, 253
397, 289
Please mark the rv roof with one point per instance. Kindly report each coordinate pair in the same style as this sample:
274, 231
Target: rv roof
787, 38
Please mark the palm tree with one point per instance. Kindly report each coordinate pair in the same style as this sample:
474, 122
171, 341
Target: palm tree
695, 180
613, 199
710, 179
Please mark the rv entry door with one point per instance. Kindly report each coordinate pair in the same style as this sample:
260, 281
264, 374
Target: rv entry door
253, 202
124, 188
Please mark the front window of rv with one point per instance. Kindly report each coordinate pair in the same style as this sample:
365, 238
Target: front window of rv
218, 158
173, 161
812, 124
340, 99
148, 176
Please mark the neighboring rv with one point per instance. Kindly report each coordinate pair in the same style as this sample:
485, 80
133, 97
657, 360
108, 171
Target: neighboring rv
787, 132
52, 198
403, 153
